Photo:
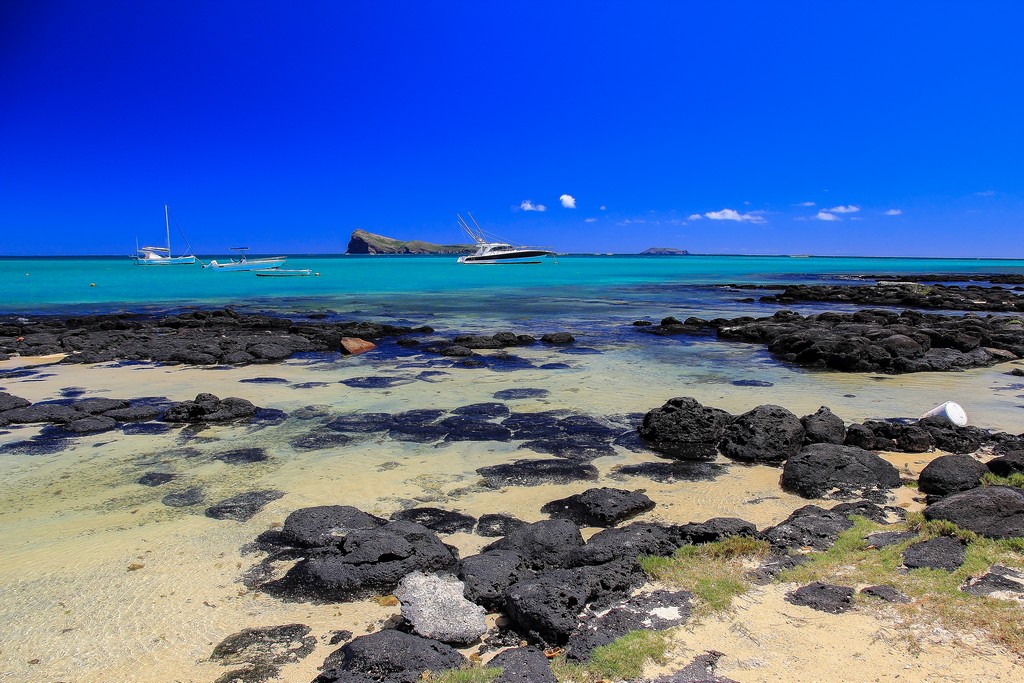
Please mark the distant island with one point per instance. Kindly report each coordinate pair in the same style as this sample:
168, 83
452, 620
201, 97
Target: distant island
664, 251
363, 242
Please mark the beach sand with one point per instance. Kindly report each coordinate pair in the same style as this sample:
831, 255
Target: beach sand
100, 581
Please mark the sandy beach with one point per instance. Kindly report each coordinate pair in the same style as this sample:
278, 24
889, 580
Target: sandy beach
107, 583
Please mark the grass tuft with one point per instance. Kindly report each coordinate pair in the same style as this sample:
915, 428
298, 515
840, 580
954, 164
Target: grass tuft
466, 675
1016, 479
623, 659
713, 572
936, 594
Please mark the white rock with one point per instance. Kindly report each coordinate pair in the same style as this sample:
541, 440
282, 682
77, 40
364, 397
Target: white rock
436, 608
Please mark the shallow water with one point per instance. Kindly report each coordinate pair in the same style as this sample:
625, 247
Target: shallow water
75, 523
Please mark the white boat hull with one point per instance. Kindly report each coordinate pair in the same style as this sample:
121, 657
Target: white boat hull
164, 260
248, 264
518, 256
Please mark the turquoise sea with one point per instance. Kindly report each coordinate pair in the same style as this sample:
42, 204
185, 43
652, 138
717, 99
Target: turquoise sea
416, 286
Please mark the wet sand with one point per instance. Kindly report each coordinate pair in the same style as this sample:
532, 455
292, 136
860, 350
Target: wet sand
75, 525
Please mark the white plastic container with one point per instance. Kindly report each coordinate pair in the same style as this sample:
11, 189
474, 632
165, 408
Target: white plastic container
952, 411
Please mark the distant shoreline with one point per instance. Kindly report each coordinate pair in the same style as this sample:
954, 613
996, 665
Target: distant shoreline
587, 254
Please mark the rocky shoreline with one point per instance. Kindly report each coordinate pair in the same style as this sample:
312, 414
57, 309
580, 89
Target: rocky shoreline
904, 294
556, 593
868, 340
865, 341
532, 598
545, 584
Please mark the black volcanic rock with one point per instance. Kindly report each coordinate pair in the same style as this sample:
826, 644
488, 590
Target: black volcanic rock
542, 545
537, 472
903, 294
9, 402
209, 408
243, 506
193, 337
951, 474
388, 656
993, 511
823, 597
657, 610
488, 575
436, 519
523, 665
825, 469
823, 426
808, 526
683, 428
886, 593
370, 561
325, 524
768, 433
943, 552
497, 524
882, 341
1005, 465
601, 507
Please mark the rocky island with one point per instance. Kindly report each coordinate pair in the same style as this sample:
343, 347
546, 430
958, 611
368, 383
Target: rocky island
363, 242
664, 251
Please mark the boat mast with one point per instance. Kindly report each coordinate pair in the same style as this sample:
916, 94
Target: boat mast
477, 237
167, 225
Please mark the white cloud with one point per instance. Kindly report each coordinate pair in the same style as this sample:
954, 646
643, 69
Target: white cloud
733, 215
826, 216
894, 212
604, 208
844, 209
694, 217
986, 193
589, 220
568, 201
528, 205
805, 204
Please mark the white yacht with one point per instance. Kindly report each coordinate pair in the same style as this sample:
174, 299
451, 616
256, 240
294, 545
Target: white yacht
161, 256
490, 251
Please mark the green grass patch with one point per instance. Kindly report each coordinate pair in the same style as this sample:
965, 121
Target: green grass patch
623, 659
936, 594
467, 675
714, 572
1015, 479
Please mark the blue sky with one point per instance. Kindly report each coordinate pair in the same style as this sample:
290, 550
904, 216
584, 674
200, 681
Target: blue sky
875, 128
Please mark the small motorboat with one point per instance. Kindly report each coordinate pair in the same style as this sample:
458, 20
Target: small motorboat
245, 263
282, 272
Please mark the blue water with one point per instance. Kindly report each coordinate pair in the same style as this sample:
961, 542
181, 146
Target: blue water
418, 286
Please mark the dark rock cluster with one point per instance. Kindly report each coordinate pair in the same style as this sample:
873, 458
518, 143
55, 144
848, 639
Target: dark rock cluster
906, 295
553, 587
67, 418
194, 338
882, 341
815, 464
869, 340
994, 278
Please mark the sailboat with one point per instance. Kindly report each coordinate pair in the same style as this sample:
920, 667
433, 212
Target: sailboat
492, 252
161, 256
